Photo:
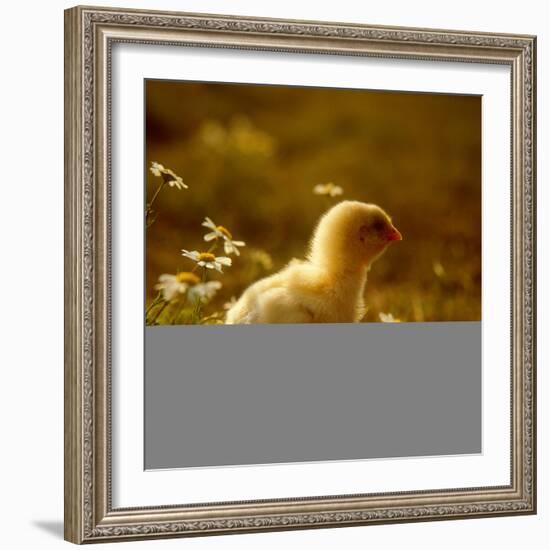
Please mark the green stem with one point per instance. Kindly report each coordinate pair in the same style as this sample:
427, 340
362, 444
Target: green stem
198, 305
159, 311
156, 301
179, 307
149, 209
174, 317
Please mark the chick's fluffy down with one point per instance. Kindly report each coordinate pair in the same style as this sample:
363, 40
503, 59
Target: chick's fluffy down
299, 293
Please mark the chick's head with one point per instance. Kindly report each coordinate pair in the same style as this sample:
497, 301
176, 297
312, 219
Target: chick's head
352, 234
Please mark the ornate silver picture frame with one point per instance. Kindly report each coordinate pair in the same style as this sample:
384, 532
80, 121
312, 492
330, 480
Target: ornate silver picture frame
90, 35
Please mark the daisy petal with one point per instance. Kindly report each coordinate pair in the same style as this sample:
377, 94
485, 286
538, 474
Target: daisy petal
208, 223
193, 255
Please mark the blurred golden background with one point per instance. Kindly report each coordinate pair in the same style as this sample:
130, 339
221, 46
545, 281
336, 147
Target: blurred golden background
251, 156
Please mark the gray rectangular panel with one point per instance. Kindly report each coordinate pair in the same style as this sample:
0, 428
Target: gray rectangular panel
229, 395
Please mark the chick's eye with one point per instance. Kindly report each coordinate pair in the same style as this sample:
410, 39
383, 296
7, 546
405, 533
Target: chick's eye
378, 225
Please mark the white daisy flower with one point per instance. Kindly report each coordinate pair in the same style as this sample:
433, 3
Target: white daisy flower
169, 177
221, 232
203, 292
328, 189
172, 286
388, 318
207, 259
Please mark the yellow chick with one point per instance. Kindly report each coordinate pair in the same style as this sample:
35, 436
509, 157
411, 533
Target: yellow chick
328, 286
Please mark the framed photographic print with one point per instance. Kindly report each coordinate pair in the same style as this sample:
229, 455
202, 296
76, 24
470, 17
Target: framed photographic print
300, 274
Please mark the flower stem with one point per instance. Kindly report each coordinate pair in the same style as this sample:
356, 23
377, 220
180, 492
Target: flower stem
153, 303
149, 209
198, 305
174, 317
159, 311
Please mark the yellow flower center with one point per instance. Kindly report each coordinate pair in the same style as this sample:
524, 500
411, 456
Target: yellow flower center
224, 231
206, 257
187, 277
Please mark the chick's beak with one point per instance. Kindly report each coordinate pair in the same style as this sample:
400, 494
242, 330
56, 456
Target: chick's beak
394, 235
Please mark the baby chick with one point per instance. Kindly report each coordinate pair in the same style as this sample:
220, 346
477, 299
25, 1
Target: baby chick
328, 286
